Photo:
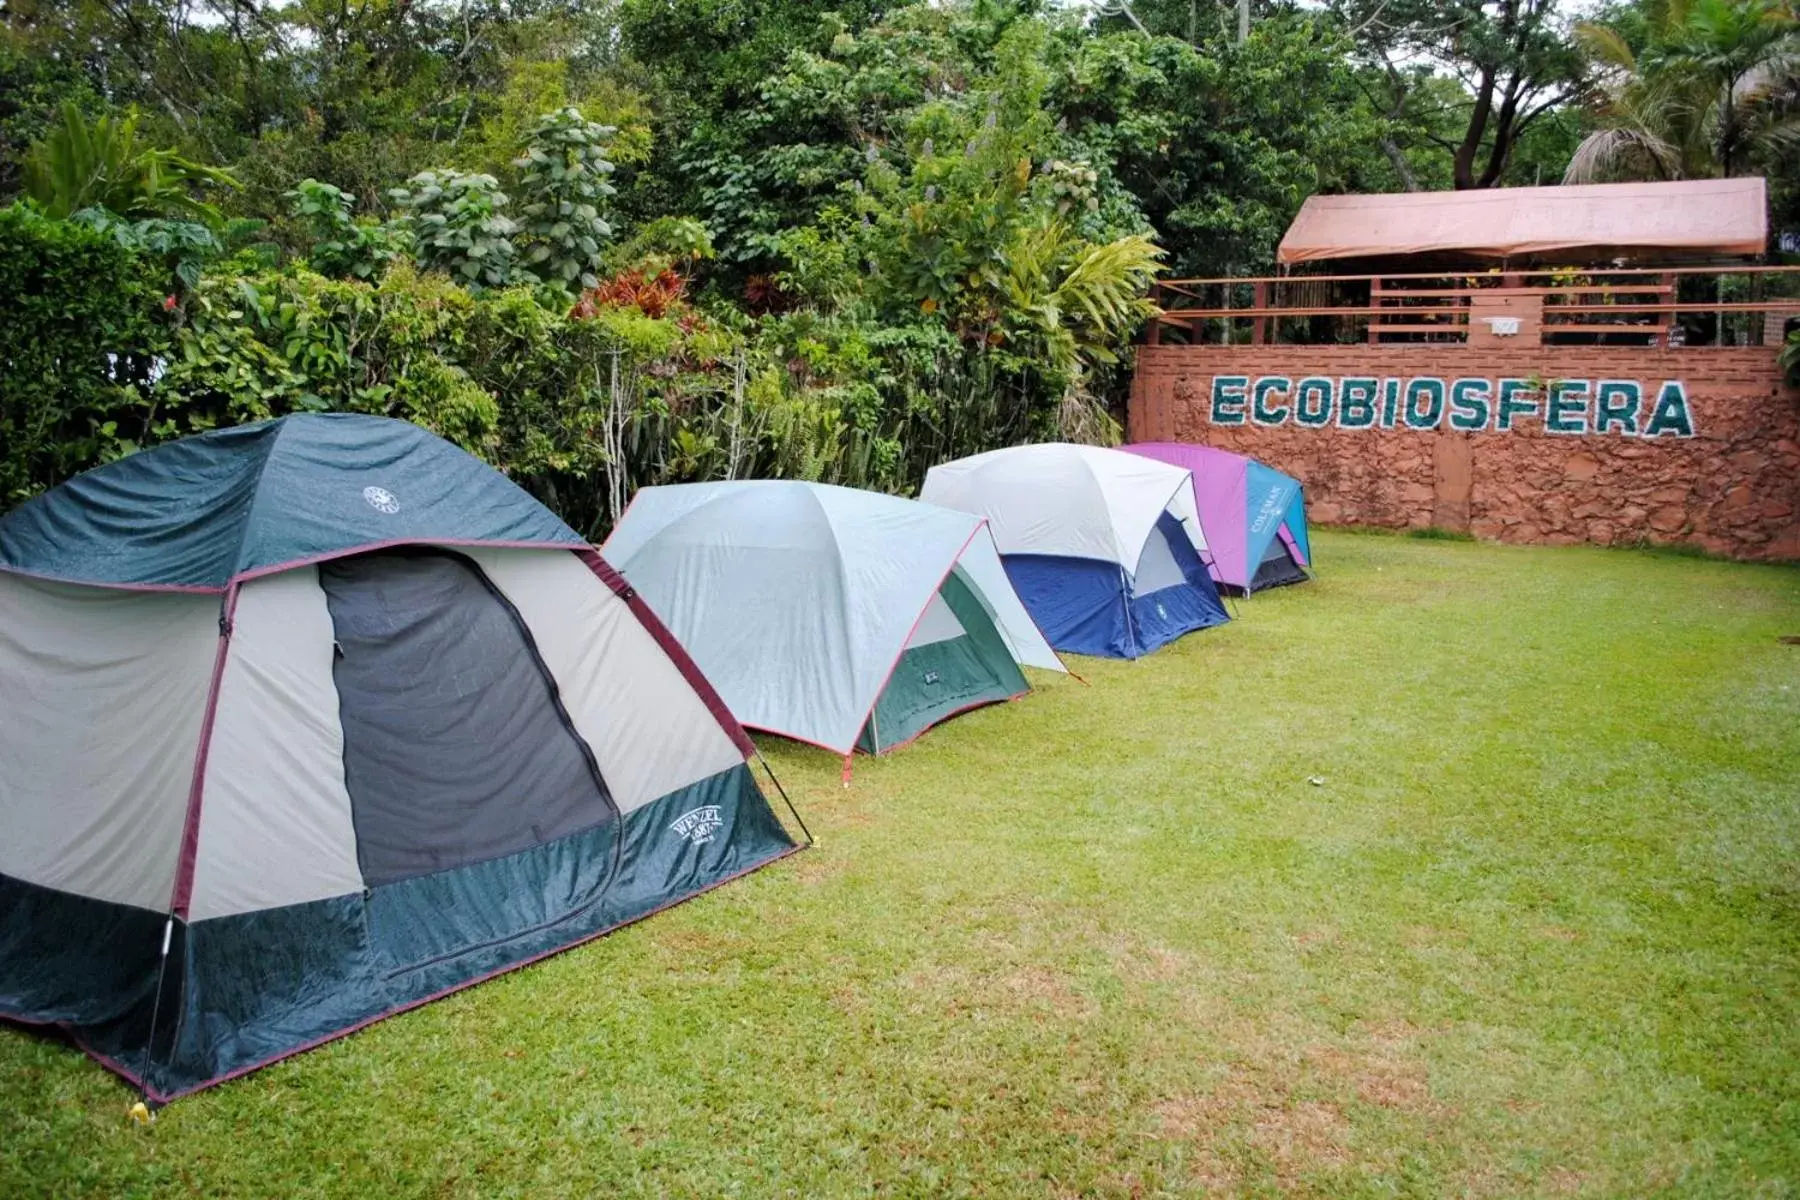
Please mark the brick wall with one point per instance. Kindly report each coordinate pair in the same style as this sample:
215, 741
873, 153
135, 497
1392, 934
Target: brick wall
1732, 488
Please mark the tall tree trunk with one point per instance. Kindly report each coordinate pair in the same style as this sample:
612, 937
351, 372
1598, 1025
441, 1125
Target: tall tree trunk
1506, 133
1472, 137
1402, 168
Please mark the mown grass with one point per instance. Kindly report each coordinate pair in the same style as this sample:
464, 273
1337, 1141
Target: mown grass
1534, 931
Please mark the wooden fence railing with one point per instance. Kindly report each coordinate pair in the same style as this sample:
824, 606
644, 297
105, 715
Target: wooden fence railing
1678, 306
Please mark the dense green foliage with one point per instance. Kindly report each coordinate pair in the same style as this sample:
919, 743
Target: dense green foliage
813, 236
1694, 88
75, 350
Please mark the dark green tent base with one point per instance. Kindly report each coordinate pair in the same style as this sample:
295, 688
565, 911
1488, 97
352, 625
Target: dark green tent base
933, 682
245, 991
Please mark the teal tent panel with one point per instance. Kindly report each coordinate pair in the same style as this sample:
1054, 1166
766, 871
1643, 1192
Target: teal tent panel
1267, 496
939, 679
202, 511
1296, 525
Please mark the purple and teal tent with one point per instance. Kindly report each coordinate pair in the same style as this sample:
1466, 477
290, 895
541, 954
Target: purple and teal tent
1255, 517
311, 721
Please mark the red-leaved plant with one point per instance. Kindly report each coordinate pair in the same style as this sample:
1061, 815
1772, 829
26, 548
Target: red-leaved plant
653, 295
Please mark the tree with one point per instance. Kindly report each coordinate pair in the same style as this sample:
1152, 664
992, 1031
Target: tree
1709, 88
1513, 58
1216, 147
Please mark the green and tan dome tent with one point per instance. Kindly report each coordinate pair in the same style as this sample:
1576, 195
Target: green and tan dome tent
840, 617
307, 722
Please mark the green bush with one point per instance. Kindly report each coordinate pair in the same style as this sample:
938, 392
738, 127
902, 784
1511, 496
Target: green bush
77, 349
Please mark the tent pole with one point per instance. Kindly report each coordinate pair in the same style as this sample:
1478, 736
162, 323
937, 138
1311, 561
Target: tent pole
774, 779
162, 974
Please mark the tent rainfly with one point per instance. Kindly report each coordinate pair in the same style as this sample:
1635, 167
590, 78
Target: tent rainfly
1255, 516
311, 721
844, 618
1105, 548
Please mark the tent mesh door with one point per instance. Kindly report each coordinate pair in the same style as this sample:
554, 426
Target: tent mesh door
1277, 567
456, 746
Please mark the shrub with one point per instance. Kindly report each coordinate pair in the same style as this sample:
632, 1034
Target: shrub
562, 178
341, 245
77, 349
461, 228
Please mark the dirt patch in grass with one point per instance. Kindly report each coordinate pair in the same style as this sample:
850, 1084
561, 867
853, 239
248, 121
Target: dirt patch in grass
1139, 961
1039, 986
1296, 1136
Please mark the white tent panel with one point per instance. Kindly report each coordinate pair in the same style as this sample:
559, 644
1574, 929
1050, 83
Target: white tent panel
1066, 500
938, 624
796, 599
1157, 568
650, 731
981, 566
1184, 508
101, 697
275, 823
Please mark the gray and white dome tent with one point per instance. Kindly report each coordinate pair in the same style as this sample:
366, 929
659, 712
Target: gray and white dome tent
312, 721
844, 618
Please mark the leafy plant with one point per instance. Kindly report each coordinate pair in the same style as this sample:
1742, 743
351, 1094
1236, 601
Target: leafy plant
1694, 98
653, 295
343, 246
563, 180
460, 227
83, 164
77, 349
1790, 358
184, 246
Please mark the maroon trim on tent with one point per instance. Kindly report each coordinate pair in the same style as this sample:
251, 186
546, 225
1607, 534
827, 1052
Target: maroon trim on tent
211, 589
165, 1097
621, 521
952, 715
190, 827
677, 654
192, 589
980, 524
794, 737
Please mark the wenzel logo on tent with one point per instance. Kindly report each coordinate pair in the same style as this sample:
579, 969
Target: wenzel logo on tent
698, 825
382, 500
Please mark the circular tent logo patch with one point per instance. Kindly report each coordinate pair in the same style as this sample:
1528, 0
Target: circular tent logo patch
381, 499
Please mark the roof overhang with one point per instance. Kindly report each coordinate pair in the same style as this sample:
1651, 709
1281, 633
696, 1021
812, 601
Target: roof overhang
1690, 219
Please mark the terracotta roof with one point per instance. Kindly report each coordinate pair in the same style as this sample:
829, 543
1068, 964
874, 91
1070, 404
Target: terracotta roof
1595, 222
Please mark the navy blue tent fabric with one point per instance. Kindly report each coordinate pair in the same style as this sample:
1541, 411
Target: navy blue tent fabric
1086, 606
202, 511
1079, 603
1159, 617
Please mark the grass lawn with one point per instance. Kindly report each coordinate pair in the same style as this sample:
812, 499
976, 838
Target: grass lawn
1466, 870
